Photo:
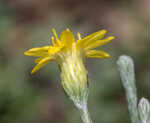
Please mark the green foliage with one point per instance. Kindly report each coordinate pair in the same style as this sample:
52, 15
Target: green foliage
140, 113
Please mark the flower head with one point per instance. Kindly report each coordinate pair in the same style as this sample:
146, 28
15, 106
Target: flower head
67, 44
70, 54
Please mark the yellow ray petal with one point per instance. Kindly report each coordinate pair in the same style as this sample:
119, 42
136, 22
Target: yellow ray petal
55, 34
41, 63
88, 39
38, 59
67, 38
54, 50
79, 36
97, 54
40, 51
99, 43
53, 41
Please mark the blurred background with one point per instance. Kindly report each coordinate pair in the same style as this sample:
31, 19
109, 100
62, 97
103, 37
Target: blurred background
40, 98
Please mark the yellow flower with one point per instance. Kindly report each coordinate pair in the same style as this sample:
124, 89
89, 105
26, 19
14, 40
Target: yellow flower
66, 45
70, 56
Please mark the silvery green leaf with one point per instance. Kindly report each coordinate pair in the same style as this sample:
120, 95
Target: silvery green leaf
126, 68
144, 110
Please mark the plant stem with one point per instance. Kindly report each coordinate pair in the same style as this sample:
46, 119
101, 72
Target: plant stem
85, 114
